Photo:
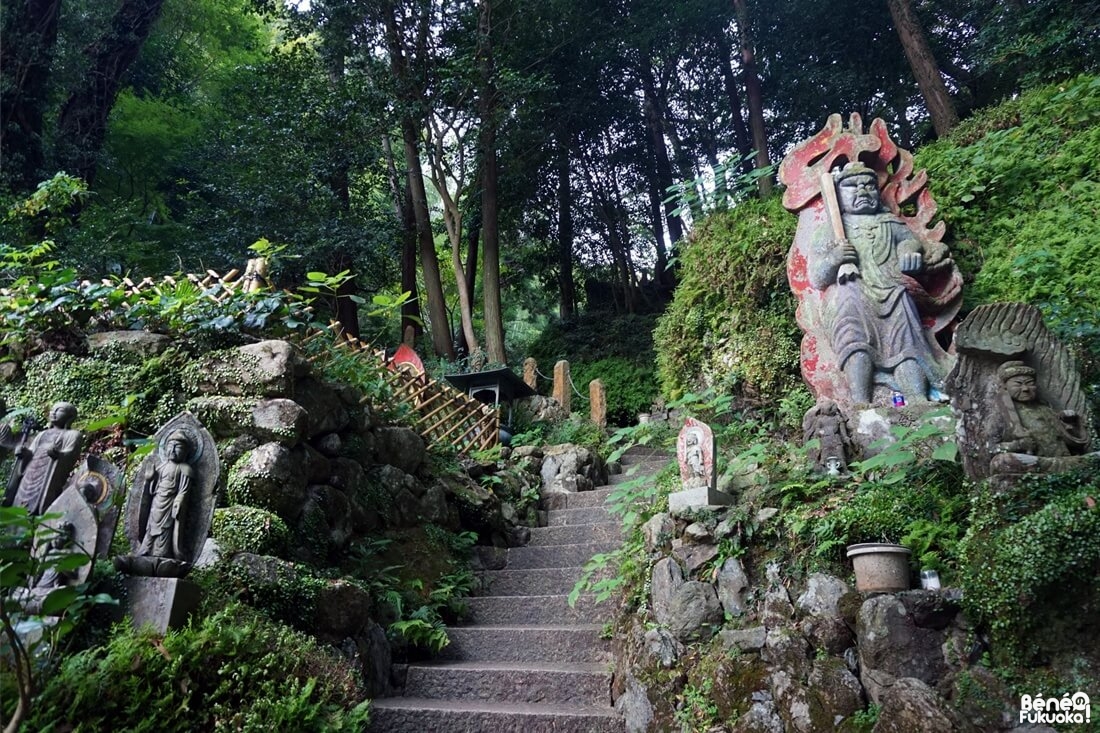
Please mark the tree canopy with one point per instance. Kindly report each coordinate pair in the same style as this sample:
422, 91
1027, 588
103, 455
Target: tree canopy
474, 154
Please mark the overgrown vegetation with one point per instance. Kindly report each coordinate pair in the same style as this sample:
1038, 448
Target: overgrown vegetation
234, 671
731, 324
617, 349
1018, 189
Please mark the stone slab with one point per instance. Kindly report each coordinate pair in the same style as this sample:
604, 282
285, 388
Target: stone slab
681, 501
162, 603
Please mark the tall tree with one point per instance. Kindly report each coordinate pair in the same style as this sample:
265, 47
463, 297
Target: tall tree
490, 215
925, 69
29, 31
406, 40
754, 93
82, 124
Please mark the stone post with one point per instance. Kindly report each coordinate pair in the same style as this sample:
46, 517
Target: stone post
563, 391
597, 398
531, 373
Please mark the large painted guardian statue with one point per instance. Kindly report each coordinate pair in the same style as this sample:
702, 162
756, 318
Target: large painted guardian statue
875, 283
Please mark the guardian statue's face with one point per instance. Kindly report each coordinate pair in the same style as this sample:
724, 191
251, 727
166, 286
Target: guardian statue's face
858, 195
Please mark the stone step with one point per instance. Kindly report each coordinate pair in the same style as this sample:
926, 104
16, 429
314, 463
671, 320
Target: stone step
580, 643
418, 715
557, 556
536, 610
529, 581
575, 534
636, 453
578, 515
596, 497
637, 477
567, 684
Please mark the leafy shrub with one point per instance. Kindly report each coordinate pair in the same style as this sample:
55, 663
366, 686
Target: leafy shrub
249, 529
236, 671
731, 322
1019, 189
629, 386
1027, 547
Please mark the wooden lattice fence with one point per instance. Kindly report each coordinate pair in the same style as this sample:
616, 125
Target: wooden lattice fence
444, 415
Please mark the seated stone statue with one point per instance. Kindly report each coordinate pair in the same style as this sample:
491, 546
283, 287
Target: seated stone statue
1030, 435
42, 467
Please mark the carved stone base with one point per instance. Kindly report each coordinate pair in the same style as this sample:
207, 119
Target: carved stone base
163, 603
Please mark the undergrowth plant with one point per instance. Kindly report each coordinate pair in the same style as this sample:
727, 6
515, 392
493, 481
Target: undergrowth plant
233, 671
33, 585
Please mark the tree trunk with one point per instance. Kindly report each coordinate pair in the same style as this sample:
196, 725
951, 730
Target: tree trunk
567, 289
82, 125
402, 204
411, 95
429, 263
661, 275
660, 152
30, 34
740, 132
755, 95
925, 69
490, 213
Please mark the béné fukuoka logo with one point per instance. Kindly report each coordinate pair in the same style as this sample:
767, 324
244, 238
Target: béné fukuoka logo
1069, 708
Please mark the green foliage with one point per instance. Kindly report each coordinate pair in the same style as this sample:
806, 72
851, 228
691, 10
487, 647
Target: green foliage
628, 383
1025, 547
234, 671
26, 555
911, 491
864, 720
249, 529
115, 387
617, 349
287, 595
731, 322
1018, 189
695, 710
418, 584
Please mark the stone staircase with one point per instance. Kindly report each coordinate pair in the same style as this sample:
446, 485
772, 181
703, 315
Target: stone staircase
527, 662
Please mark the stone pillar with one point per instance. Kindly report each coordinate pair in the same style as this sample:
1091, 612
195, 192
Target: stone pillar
531, 373
563, 391
597, 398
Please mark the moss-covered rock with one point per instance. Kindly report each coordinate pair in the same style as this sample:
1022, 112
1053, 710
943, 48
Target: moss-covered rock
249, 529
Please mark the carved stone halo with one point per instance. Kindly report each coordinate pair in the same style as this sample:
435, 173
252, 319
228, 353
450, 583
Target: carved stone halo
192, 437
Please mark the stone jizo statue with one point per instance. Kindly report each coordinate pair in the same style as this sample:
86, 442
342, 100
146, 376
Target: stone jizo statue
168, 487
171, 502
825, 424
43, 465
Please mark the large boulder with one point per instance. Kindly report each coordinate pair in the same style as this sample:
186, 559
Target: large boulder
666, 579
400, 447
733, 587
911, 705
143, 343
892, 646
268, 477
694, 611
569, 468
326, 411
263, 369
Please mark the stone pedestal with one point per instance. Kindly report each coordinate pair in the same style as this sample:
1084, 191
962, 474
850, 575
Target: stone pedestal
163, 603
